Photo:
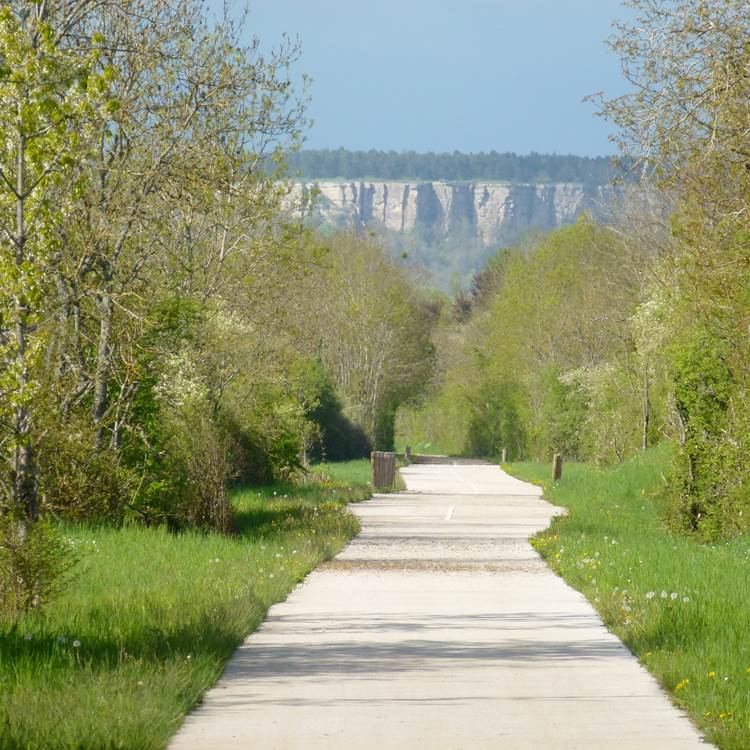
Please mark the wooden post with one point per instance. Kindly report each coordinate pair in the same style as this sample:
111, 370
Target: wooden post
390, 469
407, 454
383, 469
504, 456
556, 467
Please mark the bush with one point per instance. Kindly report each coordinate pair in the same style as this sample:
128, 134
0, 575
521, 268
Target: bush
34, 562
77, 482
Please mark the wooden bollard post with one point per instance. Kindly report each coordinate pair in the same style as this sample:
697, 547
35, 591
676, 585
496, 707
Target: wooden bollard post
556, 467
407, 454
504, 456
376, 468
383, 469
390, 469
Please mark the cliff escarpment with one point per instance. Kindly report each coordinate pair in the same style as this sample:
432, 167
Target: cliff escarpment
491, 213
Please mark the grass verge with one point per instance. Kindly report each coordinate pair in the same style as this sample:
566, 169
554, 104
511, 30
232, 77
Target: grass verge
152, 617
357, 472
680, 606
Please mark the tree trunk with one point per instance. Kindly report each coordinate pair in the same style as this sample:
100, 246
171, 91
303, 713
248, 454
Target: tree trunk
101, 376
646, 412
24, 480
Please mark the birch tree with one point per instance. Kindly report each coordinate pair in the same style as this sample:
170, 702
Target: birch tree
48, 104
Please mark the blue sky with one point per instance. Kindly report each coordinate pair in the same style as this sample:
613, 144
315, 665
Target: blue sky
439, 75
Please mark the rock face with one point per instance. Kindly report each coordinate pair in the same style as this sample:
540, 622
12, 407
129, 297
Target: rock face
491, 213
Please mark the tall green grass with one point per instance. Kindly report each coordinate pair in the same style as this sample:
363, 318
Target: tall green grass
682, 607
357, 473
152, 617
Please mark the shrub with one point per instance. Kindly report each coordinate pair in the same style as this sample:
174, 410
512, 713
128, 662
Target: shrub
35, 560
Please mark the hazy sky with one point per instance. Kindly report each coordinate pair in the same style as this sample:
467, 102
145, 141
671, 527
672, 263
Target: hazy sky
441, 75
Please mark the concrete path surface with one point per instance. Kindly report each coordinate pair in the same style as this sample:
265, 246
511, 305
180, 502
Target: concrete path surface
438, 627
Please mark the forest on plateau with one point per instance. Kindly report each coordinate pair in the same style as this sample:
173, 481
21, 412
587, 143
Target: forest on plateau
598, 341
316, 164
168, 328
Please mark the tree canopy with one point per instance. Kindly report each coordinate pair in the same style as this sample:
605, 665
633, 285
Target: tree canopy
489, 166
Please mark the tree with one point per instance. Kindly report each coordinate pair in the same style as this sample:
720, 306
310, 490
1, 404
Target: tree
49, 102
685, 125
372, 331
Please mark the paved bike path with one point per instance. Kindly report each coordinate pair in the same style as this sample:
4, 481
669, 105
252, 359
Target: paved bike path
438, 627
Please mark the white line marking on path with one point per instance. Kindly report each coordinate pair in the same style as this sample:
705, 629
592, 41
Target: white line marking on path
449, 514
464, 480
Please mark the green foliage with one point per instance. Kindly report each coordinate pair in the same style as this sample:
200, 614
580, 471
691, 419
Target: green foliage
696, 144
35, 560
331, 436
371, 328
494, 421
710, 489
545, 357
49, 97
677, 604
562, 418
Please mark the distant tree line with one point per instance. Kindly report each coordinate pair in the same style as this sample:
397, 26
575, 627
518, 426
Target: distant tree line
456, 166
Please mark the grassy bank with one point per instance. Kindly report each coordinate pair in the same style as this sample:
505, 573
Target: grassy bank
357, 473
151, 618
682, 607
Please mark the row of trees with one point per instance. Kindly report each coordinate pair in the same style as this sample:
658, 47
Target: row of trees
543, 356
410, 165
597, 341
165, 326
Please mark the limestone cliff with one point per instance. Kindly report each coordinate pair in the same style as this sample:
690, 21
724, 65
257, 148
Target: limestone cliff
492, 213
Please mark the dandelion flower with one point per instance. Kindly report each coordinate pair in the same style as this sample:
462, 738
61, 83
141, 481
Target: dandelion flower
650, 595
712, 674
27, 637
686, 599
663, 594
76, 644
